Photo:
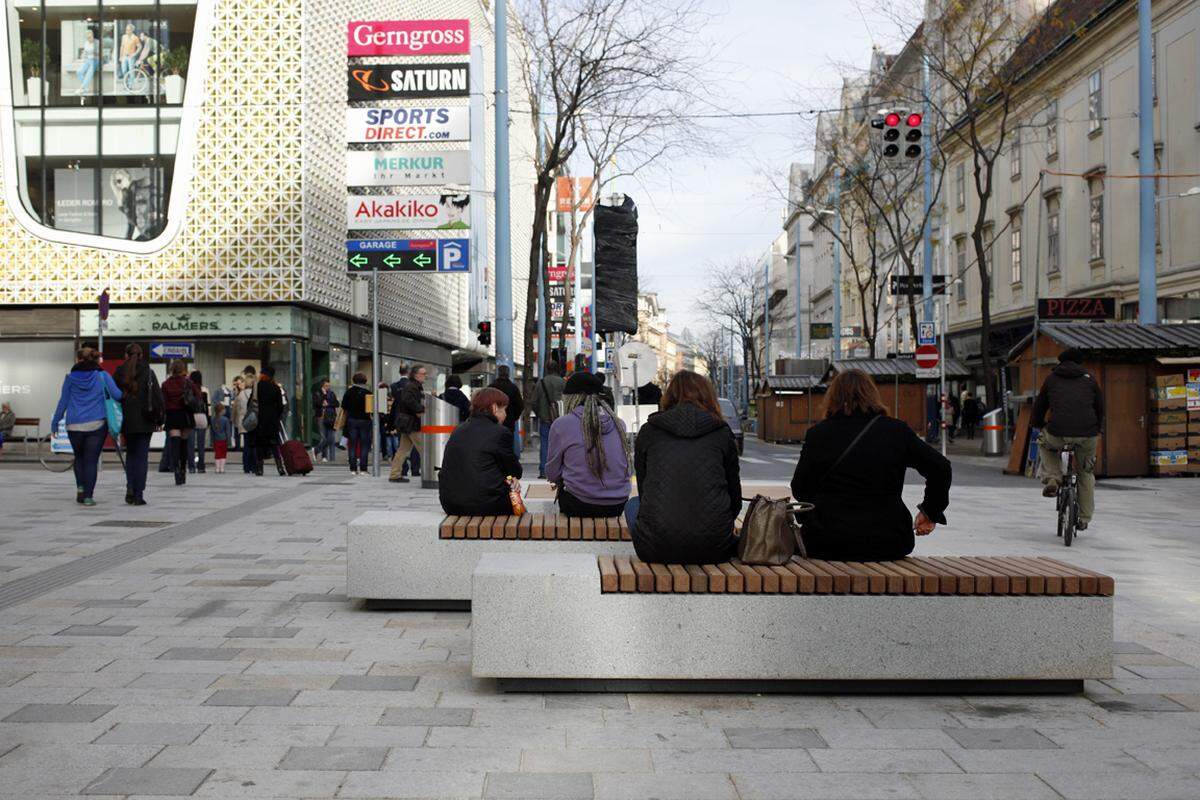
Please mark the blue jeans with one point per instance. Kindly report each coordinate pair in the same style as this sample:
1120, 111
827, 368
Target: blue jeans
249, 453
631, 511
543, 445
195, 449
413, 462
517, 443
87, 446
137, 462
329, 439
85, 73
358, 444
126, 65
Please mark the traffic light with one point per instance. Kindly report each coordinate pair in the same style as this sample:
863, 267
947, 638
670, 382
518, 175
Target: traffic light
889, 135
898, 129
913, 136
485, 332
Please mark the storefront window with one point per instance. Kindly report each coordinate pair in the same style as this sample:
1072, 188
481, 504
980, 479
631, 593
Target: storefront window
97, 109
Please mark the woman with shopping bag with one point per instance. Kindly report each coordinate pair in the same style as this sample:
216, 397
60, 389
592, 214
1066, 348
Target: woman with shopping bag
89, 403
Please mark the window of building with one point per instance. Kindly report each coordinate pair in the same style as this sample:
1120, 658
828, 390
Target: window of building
989, 235
97, 108
1095, 102
960, 269
1052, 130
1096, 218
1052, 245
1154, 65
1014, 156
1014, 237
960, 186
1157, 205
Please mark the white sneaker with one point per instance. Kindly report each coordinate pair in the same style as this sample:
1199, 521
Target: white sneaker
353, 472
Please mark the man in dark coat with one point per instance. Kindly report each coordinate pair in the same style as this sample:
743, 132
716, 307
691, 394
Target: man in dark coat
407, 412
649, 394
270, 416
478, 461
516, 404
1076, 408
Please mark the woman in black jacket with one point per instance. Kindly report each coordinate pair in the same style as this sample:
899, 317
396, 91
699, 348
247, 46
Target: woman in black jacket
454, 396
358, 424
270, 417
852, 469
479, 460
142, 404
689, 480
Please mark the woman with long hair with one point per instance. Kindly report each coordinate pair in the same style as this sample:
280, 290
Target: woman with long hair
588, 457
197, 440
689, 479
180, 402
479, 465
852, 469
81, 404
143, 415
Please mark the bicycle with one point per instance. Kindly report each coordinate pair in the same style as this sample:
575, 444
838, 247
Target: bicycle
1068, 497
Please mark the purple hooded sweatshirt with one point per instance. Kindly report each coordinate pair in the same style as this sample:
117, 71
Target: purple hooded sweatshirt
566, 463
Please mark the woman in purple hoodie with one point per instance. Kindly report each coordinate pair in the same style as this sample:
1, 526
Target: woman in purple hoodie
588, 457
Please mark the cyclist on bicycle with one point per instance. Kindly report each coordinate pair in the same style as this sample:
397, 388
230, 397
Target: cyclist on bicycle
1076, 409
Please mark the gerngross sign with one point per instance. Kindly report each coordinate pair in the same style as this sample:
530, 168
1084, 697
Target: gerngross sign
409, 124
407, 168
409, 37
408, 212
406, 81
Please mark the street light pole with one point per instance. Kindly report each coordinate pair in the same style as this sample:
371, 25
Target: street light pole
799, 292
504, 300
1147, 280
837, 266
767, 314
927, 228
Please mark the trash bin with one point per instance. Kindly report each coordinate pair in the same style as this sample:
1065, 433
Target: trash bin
439, 421
993, 432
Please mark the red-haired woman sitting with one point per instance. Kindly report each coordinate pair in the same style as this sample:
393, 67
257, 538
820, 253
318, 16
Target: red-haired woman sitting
479, 460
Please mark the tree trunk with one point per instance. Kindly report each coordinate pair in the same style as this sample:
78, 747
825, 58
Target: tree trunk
541, 200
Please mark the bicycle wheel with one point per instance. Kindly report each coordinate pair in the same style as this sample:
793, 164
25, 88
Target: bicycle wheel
1069, 515
136, 81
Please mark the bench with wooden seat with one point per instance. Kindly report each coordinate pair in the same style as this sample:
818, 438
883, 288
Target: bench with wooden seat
959, 624
424, 559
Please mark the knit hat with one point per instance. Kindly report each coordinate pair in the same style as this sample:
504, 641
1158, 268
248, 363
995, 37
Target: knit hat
582, 383
1073, 354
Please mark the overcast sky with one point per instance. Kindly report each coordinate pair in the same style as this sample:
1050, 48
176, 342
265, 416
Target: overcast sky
772, 56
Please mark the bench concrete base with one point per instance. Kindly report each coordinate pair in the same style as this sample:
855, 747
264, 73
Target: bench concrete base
543, 616
398, 557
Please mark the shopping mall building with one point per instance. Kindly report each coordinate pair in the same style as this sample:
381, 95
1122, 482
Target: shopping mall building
192, 158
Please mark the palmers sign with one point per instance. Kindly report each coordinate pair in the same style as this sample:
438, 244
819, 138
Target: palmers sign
406, 81
409, 124
408, 37
404, 168
408, 212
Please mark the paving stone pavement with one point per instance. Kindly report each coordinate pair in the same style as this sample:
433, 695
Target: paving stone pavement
229, 664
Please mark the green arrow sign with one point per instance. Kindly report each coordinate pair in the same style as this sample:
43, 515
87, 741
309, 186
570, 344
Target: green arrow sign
358, 260
393, 260
422, 260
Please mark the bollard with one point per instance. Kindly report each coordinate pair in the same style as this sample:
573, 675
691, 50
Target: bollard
993, 433
440, 420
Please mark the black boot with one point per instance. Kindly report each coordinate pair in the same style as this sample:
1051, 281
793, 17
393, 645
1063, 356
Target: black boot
180, 462
279, 465
128, 496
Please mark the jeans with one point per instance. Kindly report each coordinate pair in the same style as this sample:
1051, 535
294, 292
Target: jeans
137, 462
631, 511
195, 449
85, 73
358, 444
517, 443
329, 439
87, 446
543, 445
1050, 461
249, 453
126, 65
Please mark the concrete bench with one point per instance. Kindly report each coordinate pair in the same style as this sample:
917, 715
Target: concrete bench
424, 559
579, 622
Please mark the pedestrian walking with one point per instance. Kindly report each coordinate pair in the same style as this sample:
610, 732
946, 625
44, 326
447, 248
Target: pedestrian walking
408, 411
933, 418
546, 397
589, 453
413, 460
8, 421
358, 424
325, 409
455, 396
221, 430
516, 404
143, 410
389, 439
235, 411
246, 404
271, 407
82, 404
181, 404
955, 412
198, 439
971, 411
479, 462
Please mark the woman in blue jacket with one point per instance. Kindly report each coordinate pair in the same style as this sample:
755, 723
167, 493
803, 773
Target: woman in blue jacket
81, 403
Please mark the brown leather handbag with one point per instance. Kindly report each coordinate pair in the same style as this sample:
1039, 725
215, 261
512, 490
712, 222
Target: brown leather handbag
770, 533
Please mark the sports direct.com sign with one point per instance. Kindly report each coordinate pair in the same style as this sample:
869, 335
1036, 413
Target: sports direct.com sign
409, 124
412, 37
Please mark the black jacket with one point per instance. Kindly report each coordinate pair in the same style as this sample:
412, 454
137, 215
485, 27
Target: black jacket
354, 402
270, 411
455, 397
478, 458
328, 414
408, 406
516, 404
860, 515
690, 487
1074, 401
142, 403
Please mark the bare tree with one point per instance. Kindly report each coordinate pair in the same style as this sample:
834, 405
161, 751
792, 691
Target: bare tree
712, 347
615, 75
733, 301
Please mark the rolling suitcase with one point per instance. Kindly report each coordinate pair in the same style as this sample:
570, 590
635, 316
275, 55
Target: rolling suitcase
296, 459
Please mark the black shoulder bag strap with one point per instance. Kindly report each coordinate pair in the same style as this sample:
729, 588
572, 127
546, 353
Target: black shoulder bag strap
850, 447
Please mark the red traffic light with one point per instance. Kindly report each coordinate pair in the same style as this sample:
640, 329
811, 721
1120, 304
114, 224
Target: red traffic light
892, 120
913, 120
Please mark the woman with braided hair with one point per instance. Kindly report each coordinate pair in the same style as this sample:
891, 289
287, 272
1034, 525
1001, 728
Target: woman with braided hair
589, 455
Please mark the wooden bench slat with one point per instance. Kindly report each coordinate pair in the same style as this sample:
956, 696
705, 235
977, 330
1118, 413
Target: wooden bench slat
1053, 581
561, 527
841, 578
1000, 581
1070, 581
698, 578
626, 578
608, 574
680, 581
912, 580
716, 578
966, 581
1105, 584
752, 580
933, 581
663, 581
473, 527
588, 527
645, 577
1020, 573
1018, 581
982, 581
770, 581
806, 582
876, 580
894, 580
460, 527
536, 525
787, 579
446, 529
525, 525
735, 582
624, 526
822, 581
511, 526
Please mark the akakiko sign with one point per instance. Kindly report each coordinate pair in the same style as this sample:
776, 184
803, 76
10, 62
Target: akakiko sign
408, 37
404, 168
408, 212
409, 124
406, 81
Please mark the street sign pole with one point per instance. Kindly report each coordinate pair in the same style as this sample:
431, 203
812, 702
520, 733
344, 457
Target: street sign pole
375, 373
101, 320
503, 262
942, 364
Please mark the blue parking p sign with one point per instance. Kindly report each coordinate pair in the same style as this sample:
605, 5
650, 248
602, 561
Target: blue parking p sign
454, 255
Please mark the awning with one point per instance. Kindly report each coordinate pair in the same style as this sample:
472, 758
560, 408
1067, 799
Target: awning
1120, 338
896, 367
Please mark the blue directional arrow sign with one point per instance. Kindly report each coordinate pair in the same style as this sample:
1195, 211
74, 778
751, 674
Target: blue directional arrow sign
408, 255
168, 350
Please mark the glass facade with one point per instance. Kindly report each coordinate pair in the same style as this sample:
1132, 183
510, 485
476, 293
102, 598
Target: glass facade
97, 105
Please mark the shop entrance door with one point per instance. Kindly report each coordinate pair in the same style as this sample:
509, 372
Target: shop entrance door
1125, 448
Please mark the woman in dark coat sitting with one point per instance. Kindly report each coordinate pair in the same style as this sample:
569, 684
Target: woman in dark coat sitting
479, 460
855, 478
688, 477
